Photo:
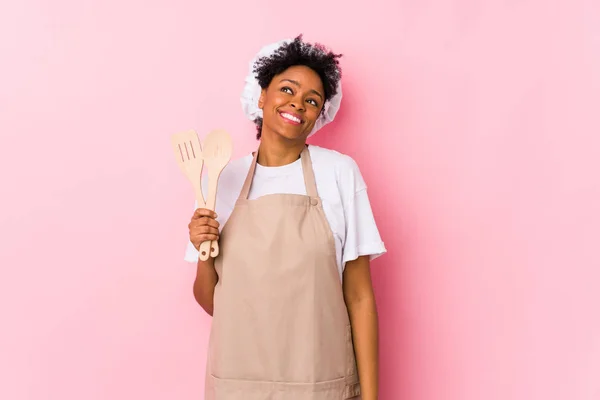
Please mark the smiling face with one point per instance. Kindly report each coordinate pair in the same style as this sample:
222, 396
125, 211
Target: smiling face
292, 103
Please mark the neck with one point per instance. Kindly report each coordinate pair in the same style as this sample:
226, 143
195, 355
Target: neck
275, 152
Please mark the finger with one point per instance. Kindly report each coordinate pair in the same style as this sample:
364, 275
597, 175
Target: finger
204, 229
203, 226
203, 212
209, 221
204, 221
208, 229
197, 240
203, 237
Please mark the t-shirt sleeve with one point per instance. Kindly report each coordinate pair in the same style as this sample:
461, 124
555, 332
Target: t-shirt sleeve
362, 235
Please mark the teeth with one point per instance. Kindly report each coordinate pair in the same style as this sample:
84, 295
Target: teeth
290, 117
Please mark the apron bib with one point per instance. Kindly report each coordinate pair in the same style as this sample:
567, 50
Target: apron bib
280, 327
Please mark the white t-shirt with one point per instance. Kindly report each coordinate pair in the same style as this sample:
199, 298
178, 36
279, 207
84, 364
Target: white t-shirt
340, 186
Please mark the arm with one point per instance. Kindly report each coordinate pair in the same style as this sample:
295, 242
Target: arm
360, 301
204, 285
204, 227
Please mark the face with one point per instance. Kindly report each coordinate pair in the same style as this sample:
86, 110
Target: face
292, 103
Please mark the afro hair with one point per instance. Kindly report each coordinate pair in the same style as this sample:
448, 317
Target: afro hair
315, 56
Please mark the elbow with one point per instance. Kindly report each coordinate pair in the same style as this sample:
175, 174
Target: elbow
362, 302
208, 310
207, 305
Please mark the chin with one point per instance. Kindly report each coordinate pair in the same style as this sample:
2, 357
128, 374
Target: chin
293, 135
289, 134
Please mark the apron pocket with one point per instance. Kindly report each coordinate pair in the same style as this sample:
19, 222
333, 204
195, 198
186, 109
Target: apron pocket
233, 389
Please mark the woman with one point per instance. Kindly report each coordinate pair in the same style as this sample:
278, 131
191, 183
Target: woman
294, 317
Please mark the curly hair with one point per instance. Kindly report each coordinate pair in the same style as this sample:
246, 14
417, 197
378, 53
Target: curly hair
315, 56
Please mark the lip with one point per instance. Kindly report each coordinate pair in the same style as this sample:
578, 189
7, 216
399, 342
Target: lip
293, 114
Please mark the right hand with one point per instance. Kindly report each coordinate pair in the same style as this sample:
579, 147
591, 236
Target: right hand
203, 227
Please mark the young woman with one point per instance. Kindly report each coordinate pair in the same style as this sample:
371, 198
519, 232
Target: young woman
294, 316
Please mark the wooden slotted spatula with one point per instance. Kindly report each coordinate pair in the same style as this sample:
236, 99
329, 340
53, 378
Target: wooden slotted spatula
188, 153
217, 153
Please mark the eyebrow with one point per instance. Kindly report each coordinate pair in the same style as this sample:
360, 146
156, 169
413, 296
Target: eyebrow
298, 84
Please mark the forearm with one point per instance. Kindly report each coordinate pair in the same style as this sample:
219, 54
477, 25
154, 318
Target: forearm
204, 285
364, 321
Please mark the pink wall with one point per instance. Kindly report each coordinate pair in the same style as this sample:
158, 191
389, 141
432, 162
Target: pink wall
475, 124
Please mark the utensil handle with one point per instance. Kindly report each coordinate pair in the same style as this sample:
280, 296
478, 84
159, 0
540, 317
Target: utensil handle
214, 246
209, 249
213, 250
205, 250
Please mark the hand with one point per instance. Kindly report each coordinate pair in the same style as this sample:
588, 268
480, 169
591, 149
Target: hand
203, 227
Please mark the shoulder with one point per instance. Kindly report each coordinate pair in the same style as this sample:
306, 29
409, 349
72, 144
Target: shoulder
345, 169
332, 157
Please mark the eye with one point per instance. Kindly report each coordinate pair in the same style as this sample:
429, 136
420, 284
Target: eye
313, 102
287, 89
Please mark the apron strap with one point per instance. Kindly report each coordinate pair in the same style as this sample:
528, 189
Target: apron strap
307, 170
309, 174
248, 182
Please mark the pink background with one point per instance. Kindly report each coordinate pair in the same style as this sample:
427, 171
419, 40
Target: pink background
475, 124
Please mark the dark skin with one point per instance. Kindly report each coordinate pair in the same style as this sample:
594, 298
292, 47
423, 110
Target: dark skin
297, 91
291, 105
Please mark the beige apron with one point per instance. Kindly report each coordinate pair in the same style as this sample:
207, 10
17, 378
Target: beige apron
280, 326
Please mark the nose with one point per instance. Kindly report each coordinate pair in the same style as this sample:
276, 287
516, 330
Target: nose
297, 104
296, 107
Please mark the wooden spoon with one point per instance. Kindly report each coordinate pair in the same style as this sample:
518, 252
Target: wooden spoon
217, 153
188, 154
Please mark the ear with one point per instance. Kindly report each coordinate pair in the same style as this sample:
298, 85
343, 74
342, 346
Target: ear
261, 99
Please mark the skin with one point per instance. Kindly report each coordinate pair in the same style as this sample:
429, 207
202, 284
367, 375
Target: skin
299, 91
